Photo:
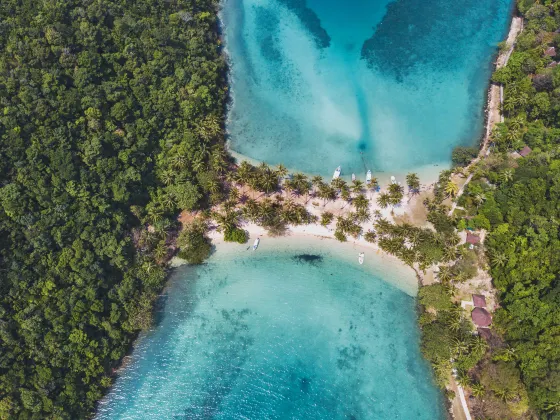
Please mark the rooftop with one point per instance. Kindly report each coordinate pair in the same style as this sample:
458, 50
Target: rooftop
481, 317
479, 301
550, 51
525, 151
472, 238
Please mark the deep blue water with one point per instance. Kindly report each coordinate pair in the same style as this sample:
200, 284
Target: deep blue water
387, 85
278, 335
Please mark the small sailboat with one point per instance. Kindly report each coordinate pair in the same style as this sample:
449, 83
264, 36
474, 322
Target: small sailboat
393, 180
256, 244
361, 258
368, 177
353, 177
337, 173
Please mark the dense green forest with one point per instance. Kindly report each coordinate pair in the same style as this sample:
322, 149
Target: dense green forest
111, 115
518, 200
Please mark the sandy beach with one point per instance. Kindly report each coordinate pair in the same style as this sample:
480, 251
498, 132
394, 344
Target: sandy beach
306, 238
310, 239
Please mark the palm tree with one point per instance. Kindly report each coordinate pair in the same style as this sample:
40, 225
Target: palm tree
219, 159
357, 186
361, 202
498, 260
149, 266
552, 406
251, 209
301, 184
281, 171
326, 192
506, 175
345, 194
225, 221
370, 236
509, 104
459, 347
209, 127
478, 199
269, 181
161, 250
516, 123
383, 200
374, 184
477, 390
478, 345
451, 189
415, 236
234, 194
513, 137
362, 215
343, 224
317, 180
338, 183
413, 182
168, 200
244, 173
450, 253
179, 161
326, 218
463, 379
444, 275
505, 394
266, 211
289, 213
213, 186
167, 177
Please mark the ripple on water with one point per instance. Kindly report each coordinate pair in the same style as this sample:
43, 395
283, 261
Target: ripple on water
387, 85
257, 336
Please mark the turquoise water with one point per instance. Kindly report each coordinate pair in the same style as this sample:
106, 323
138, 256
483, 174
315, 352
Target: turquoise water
278, 335
317, 82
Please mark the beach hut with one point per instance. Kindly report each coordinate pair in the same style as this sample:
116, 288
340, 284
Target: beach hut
472, 238
525, 151
479, 301
551, 52
481, 317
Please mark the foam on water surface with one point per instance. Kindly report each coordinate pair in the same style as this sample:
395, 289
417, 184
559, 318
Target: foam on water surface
278, 334
390, 86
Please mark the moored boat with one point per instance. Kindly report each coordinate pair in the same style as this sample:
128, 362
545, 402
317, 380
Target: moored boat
361, 258
256, 244
368, 177
393, 180
353, 177
337, 173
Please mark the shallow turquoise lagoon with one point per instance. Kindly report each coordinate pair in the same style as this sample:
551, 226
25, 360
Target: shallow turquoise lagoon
378, 84
278, 335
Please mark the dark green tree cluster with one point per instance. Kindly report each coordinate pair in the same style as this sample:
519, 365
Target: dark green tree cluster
517, 200
415, 245
447, 339
111, 116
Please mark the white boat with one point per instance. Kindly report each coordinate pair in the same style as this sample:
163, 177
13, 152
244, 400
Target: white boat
368, 177
361, 258
336, 173
256, 244
393, 180
353, 177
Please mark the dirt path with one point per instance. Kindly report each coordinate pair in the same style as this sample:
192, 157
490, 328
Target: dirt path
495, 100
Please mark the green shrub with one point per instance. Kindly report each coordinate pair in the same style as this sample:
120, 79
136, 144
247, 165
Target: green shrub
236, 235
195, 245
462, 156
339, 235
